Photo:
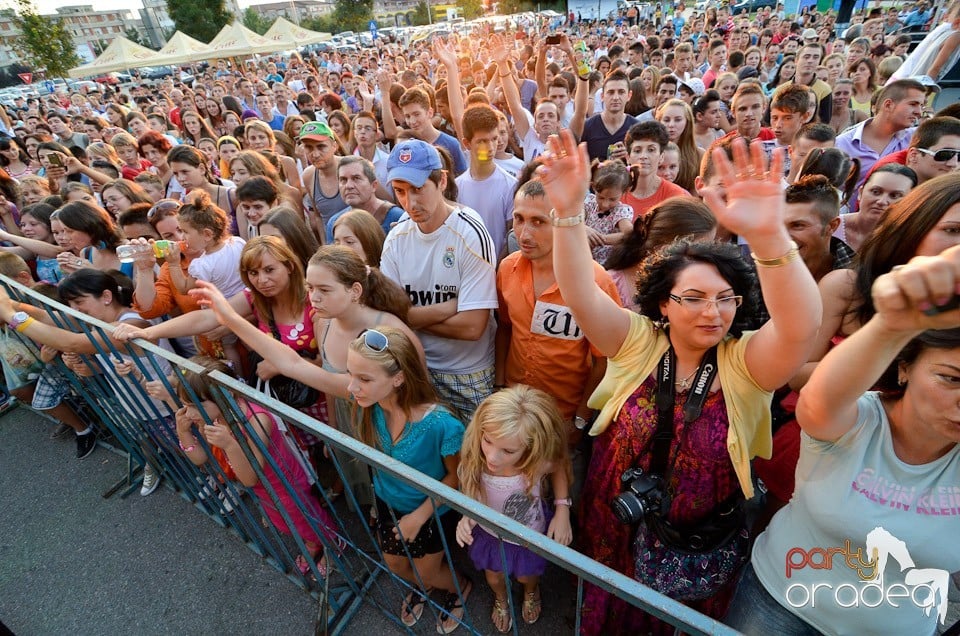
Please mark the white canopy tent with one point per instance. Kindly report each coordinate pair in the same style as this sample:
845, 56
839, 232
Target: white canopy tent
183, 49
236, 40
120, 55
286, 34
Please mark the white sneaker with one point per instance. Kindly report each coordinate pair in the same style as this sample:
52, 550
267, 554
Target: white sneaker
150, 480
225, 501
207, 487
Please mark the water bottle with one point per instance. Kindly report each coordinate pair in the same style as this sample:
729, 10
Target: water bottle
133, 251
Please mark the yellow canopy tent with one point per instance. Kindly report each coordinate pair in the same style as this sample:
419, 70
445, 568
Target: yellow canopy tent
120, 55
183, 49
237, 40
286, 34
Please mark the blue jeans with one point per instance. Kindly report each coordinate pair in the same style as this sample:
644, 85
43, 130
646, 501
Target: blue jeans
755, 612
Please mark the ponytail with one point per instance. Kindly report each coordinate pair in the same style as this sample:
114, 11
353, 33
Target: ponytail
383, 294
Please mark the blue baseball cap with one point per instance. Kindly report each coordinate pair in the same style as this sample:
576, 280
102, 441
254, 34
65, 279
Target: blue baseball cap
413, 161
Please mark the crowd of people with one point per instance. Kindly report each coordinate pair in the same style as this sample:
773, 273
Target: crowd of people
723, 247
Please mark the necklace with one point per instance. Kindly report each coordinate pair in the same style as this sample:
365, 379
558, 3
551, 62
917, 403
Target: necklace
684, 383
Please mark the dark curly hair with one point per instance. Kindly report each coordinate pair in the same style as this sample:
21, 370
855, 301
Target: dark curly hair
659, 271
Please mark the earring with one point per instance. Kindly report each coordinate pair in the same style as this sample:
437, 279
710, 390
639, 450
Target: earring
901, 381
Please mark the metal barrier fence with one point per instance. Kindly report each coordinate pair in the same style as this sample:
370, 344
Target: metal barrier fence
277, 516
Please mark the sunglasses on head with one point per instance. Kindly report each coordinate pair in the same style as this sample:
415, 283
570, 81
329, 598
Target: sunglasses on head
375, 341
941, 156
161, 207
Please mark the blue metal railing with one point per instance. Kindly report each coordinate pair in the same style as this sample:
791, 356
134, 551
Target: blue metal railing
358, 575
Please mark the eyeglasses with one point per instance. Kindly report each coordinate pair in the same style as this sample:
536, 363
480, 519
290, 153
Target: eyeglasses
375, 341
941, 156
698, 303
160, 207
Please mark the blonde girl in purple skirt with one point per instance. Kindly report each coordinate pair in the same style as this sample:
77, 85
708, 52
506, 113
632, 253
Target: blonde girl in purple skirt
514, 451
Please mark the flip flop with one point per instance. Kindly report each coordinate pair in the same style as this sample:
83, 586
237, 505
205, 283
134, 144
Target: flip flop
412, 608
453, 603
532, 607
502, 621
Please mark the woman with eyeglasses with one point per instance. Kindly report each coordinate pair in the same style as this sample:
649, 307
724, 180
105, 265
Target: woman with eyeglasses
685, 366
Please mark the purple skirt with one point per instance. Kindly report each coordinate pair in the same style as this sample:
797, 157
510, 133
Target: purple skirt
485, 554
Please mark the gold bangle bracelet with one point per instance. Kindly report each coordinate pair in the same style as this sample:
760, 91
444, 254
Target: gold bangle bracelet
792, 254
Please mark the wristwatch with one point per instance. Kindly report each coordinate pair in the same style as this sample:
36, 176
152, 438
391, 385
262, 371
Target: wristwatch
18, 319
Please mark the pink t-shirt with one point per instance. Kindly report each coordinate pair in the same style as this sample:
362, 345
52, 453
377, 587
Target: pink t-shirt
508, 496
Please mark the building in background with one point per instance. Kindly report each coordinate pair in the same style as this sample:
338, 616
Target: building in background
294, 10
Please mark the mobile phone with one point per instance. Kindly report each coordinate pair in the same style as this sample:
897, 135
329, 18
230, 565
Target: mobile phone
54, 159
553, 39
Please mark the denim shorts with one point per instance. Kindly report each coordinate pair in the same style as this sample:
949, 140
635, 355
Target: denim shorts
755, 612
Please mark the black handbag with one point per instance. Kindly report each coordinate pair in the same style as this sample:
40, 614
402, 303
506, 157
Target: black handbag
287, 390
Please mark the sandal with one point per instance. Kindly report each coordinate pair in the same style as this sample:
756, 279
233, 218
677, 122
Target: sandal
452, 608
501, 618
532, 607
412, 608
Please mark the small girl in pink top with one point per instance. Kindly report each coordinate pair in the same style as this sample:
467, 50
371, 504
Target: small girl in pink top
283, 460
516, 440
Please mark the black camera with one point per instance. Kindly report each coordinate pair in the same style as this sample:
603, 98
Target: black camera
642, 495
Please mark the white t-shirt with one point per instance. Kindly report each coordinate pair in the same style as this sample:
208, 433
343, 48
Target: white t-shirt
222, 268
455, 261
531, 144
492, 198
852, 495
511, 165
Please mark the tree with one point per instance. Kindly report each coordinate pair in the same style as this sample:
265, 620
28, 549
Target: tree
44, 42
421, 14
352, 15
134, 36
200, 19
254, 21
470, 9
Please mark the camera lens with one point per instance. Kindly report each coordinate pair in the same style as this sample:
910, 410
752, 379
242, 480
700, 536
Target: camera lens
627, 508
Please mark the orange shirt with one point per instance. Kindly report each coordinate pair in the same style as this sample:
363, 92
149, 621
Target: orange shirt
547, 349
664, 192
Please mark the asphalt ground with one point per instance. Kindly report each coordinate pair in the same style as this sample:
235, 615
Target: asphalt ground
74, 562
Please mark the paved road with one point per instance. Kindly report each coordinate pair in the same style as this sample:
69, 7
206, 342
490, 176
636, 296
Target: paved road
74, 563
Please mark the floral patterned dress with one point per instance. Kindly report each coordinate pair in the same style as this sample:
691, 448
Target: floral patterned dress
702, 477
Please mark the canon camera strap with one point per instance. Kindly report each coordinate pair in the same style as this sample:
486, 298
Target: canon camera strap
666, 398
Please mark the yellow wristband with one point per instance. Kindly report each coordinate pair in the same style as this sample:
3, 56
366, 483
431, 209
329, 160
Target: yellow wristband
23, 325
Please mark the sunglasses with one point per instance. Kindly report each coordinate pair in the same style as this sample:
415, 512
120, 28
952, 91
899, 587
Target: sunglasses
941, 156
375, 341
161, 207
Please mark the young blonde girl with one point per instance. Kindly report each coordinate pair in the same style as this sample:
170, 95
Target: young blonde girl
607, 218
267, 427
515, 442
399, 414
205, 230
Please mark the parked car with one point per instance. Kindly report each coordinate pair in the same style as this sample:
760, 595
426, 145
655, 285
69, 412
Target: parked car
749, 6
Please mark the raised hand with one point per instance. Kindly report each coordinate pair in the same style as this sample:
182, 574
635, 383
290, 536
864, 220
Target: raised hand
755, 202
444, 52
209, 297
498, 50
917, 296
565, 173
